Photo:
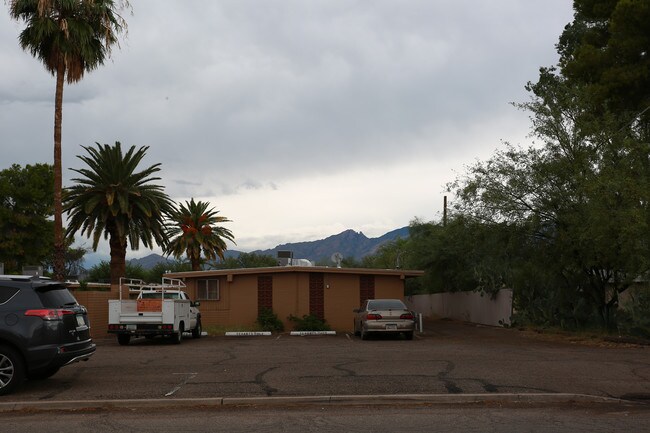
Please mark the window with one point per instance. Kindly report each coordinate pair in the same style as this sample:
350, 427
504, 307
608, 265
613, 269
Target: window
207, 290
7, 293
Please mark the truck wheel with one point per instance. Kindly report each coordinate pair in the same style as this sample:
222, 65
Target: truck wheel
123, 339
12, 370
196, 332
178, 337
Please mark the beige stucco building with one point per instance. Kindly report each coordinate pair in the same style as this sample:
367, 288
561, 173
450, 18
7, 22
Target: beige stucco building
234, 297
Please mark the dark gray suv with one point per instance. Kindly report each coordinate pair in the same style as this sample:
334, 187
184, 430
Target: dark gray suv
42, 328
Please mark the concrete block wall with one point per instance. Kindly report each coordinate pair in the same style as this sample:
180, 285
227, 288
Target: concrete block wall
471, 307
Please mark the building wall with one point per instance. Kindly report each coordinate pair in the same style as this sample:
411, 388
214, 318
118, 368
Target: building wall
96, 302
238, 307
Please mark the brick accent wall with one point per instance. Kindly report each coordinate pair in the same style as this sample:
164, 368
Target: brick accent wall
316, 295
366, 288
264, 293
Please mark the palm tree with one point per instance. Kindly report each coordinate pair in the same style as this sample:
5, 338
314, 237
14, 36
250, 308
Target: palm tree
69, 38
193, 229
112, 199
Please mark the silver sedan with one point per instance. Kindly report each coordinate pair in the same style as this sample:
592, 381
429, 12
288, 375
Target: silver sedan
383, 316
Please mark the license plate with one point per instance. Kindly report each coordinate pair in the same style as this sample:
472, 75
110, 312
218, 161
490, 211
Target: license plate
131, 327
80, 320
391, 327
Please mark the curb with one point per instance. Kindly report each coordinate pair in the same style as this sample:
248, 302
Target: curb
220, 402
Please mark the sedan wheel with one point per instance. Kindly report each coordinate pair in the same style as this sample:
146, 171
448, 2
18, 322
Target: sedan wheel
12, 371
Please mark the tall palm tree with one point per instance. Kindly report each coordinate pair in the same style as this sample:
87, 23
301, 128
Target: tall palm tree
193, 229
70, 37
113, 199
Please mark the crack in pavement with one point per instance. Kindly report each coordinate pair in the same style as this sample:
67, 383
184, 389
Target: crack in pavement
449, 384
189, 377
259, 380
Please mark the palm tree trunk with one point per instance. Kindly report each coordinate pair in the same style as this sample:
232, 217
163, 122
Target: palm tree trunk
59, 246
118, 258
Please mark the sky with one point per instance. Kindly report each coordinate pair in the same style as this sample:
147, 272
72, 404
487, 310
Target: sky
295, 119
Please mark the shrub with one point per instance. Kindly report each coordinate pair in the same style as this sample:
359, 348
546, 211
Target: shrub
268, 321
309, 323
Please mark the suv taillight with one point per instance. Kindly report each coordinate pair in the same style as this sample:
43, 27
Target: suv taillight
49, 314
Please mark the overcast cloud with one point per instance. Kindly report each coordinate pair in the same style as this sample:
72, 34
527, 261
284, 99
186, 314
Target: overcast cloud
296, 119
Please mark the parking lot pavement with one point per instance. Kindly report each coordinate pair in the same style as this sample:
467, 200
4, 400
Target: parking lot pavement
449, 360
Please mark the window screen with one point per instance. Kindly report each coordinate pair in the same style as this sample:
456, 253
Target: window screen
208, 290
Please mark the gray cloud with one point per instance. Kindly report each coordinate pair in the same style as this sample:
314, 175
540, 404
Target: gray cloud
243, 97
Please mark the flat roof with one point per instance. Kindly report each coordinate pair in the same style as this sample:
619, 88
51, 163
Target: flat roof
402, 273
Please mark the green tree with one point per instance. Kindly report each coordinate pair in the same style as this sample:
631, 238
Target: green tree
194, 230
70, 38
155, 274
74, 257
101, 273
25, 207
114, 200
247, 260
393, 254
582, 197
605, 49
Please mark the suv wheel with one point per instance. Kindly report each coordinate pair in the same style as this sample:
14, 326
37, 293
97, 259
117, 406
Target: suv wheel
12, 370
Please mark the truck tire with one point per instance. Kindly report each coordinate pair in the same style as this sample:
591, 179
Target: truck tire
178, 337
123, 339
12, 370
198, 329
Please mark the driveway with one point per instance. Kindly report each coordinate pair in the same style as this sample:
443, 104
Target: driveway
450, 358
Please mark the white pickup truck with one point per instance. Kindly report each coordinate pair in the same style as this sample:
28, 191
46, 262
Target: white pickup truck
160, 309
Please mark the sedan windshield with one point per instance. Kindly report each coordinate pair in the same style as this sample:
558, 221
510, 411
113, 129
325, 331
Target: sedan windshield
386, 304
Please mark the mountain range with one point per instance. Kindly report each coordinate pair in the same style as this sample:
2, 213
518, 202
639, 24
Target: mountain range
349, 244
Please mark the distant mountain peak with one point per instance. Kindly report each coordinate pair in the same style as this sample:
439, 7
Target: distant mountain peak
350, 243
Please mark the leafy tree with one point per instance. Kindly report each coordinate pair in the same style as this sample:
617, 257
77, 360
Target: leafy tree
114, 200
101, 272
582, 195
74, 257
605, 49
156, 273
193, 230
25, 205
393, 254
70, 38
247, 260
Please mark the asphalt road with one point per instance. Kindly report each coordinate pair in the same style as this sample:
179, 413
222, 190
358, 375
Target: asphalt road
339, 419
449, 360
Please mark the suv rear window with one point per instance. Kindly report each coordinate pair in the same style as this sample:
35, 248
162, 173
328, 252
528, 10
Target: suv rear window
55, 297
7, 293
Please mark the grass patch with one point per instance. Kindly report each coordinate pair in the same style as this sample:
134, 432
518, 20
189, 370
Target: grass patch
215, 330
